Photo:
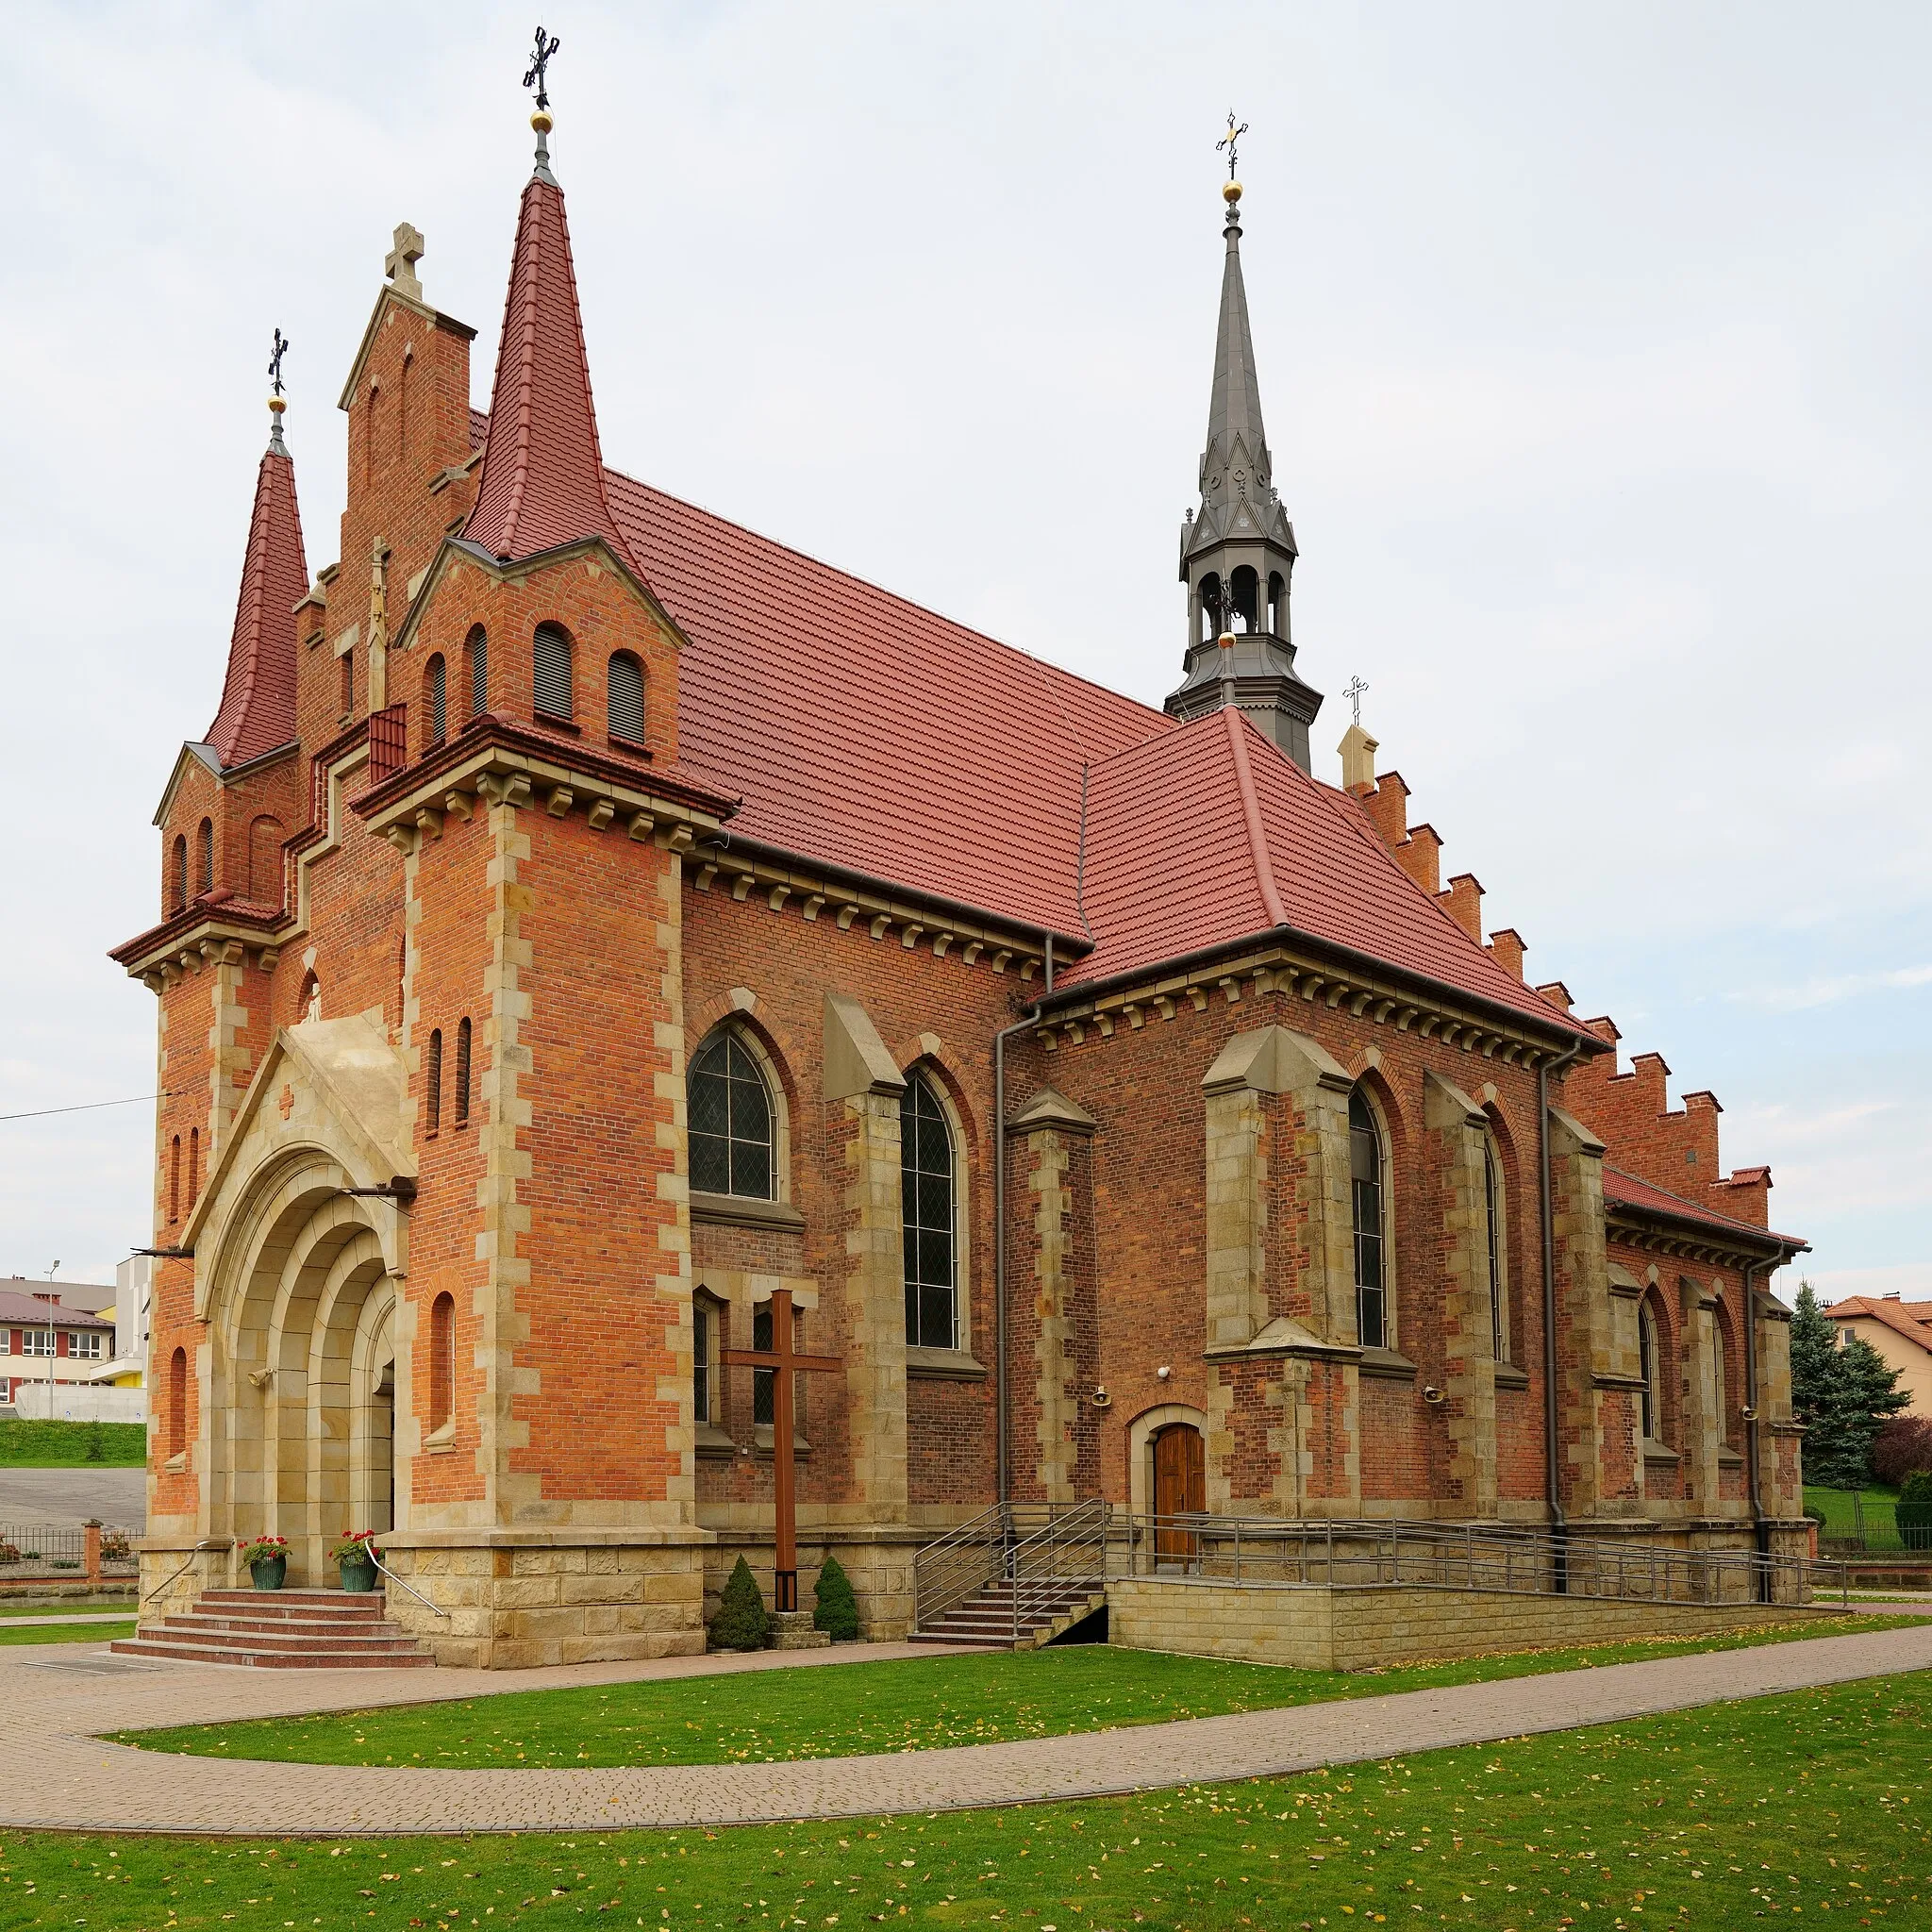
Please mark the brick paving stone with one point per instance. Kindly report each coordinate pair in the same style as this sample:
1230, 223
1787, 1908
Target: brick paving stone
56, 1775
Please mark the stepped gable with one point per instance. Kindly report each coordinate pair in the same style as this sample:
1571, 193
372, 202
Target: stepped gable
258, 709
1622, 1190
543, 480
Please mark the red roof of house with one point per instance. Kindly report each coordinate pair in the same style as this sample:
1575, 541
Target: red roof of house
542, 478
1898, 1316
1627, 1191
258, 710
30, 1311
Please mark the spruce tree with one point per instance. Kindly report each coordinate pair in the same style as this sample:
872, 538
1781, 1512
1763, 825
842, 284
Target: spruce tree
834, 1608
1842, 1394
741, 1621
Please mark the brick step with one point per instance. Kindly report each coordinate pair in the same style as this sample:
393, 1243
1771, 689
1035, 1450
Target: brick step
402, 1657
959, 1642
299, 1627
298, 1602
187, 1631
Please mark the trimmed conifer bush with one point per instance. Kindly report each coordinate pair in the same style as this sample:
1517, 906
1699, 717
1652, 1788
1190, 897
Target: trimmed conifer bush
834, 1608
741, 1621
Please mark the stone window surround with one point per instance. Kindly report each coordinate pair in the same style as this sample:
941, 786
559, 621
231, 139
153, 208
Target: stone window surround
766, 1061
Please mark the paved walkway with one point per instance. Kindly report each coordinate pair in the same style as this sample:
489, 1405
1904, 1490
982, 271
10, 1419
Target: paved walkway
55, 1775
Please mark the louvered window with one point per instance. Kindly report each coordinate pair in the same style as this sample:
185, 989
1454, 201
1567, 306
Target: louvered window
207, 857
551, 655
432, 1098
433, 709
626, 698
462, 1093
178, 882
730, 1122
477, 650
927, 1215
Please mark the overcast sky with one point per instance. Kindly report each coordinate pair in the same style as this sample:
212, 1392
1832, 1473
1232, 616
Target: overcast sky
1591, 345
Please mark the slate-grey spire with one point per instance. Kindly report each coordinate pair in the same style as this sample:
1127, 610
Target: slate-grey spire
1237, 550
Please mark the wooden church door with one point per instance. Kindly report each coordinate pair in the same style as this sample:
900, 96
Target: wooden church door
1180, 1489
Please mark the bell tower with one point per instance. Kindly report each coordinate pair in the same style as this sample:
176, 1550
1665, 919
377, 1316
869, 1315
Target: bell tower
1237, 550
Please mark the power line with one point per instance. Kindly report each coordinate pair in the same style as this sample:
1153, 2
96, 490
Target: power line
89, 1106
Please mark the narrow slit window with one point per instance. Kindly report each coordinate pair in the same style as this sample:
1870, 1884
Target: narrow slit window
178, 1403
193, 1166
478, 651
177, 881
462, 1093
550, 655
627, 698
443, 1361
1492, 1218
432, 1085
348, 675
433, 695
1647, 1403
174, 1180
1365, 1171
206, 869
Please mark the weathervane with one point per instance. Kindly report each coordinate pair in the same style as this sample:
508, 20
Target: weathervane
1353, 696
274, 361
538, 76
1228, 140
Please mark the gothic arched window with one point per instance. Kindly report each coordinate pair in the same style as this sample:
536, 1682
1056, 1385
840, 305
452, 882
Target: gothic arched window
626, 697
730, 1111
1496, 1238
432, 1085
1649, 1403
178, 1404
1371, 1261
551, 672
462, 1084
443, 1361
930, 1215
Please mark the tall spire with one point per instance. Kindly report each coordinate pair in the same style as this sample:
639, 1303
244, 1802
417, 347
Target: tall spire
1237, 550
257, 711
542, 478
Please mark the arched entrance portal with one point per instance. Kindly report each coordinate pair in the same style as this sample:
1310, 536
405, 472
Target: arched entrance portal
1180, 1490
303, 1373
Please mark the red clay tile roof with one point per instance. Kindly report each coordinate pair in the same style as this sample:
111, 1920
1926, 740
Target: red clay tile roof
1211, 834
543, 477
1626, 1191
1893, 1315
28, 1312
258, 709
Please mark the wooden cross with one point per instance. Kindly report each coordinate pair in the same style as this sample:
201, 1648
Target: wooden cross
784, 1361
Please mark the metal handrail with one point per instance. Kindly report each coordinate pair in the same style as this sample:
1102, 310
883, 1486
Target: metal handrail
1080, 1526
1365, 1554
1011, 1541
409, 1587
205, 1545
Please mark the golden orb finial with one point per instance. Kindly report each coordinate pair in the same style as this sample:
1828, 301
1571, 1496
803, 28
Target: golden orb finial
279, 404
541, 121
1230, 192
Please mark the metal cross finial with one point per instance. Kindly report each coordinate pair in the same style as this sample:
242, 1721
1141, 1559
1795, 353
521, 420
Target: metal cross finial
274, 361
1228, 140
1353, 696
538, 76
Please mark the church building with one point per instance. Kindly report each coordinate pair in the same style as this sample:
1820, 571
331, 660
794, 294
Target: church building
587, 924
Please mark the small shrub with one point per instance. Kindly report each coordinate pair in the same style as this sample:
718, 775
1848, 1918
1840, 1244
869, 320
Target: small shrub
742, 1622
115, 1548
9, 1553
1903, 1448
1917, 1488
94, 1443
834, 1608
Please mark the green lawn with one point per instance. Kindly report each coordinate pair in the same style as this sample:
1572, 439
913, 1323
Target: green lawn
61, 1606
847, 1710
28, 1444
1719, 1817
65, 1633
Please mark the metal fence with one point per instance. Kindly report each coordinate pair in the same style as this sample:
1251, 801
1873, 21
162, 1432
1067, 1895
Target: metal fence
1863, 1523
1441, 1556
58, 1553
1017, 1556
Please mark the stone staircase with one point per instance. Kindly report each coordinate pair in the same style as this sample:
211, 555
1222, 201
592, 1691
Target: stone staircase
282, 1630
986, 1621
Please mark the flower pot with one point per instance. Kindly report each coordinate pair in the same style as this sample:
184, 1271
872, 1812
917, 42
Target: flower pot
268, 1571
358, 1573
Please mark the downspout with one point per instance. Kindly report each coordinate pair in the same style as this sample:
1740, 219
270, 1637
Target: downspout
1553, 1484
1001, 1398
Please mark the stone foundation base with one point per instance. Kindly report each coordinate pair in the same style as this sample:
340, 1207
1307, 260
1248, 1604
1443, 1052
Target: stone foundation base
1311, 1627
791, 1630
515, 1599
